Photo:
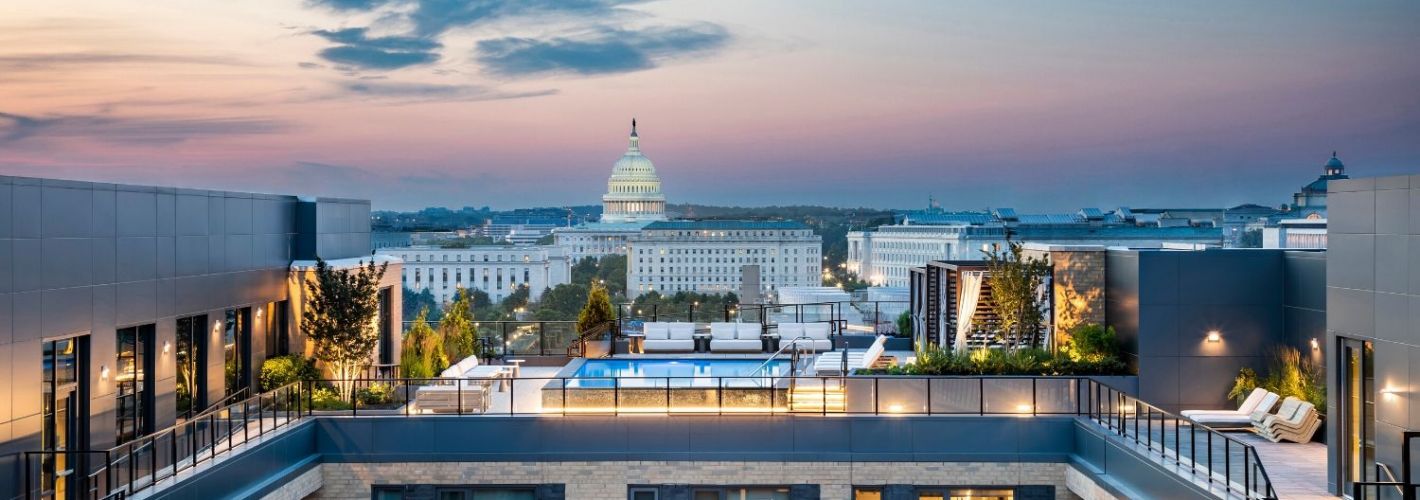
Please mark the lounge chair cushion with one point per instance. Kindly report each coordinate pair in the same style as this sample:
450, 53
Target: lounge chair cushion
738, 345
722, 331
669, 345
748, 331
1248, 405
657, 331
682, 331
791, 330
1223, 420
817, 331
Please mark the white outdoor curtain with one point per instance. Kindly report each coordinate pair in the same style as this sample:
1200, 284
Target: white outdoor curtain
970, 285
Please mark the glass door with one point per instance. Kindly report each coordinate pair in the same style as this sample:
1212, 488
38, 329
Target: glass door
62, 407
1358, 406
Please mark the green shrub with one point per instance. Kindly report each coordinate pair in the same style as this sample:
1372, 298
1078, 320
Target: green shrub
325, 398
376, 394
904, 324
282, 370
1290, 376
1091, 342
1025, 361
1243, 384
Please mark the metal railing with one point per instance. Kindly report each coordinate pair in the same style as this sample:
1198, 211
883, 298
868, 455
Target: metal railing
524, 338
144, 462
1376, 489
744, 394
1217, 458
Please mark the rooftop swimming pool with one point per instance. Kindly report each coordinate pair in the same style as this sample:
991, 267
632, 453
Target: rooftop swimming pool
676, 385
634, 373
679, 368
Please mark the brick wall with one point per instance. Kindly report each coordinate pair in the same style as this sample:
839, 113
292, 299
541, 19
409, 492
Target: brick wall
609, 480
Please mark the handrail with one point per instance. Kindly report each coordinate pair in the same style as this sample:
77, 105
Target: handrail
122, 463
776, 354
1116, 417
214, 407
1382, 467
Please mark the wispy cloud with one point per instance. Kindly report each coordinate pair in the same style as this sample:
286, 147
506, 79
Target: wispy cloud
594, 45
600, 51
131, 130
404, 92
356, 48
434, 17
50, 61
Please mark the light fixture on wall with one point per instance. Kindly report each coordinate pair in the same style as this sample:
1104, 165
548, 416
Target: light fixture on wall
1315, 345
1214, 336
258, 314
167, 347
103, 372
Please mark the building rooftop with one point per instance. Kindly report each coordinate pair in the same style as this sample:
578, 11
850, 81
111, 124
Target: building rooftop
725, 224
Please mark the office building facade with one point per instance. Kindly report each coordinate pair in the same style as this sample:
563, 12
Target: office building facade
707, 256
495, 269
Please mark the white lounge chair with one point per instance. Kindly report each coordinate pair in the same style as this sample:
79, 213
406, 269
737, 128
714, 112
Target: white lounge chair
669, 337
831, 363
1296, 421
726, 337
1225, 419
1248, 406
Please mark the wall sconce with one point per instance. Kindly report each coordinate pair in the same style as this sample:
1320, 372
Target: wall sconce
1214, 337
1315, 345
167, 347
258, 313
103, 372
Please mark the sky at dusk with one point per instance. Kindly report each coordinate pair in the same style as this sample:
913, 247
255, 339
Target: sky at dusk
1043, 105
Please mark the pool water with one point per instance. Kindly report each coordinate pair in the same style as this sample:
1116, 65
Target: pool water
683, 372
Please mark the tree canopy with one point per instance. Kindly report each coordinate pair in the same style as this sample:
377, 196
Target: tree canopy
339, 317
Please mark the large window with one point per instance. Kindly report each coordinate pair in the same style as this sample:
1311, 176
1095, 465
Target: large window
906, 492
191, 363
278, 329
467, 492
135, 387
700, 492
236, 349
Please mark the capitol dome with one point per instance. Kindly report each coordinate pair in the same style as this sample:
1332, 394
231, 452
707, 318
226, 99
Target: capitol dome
633, 192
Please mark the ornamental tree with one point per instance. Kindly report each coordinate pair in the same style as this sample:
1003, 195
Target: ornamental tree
1016, 282
597, 310
460, 335
340, 318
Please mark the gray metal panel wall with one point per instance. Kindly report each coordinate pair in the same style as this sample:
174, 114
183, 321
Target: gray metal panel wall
1163, 304
82, 258
1373, 293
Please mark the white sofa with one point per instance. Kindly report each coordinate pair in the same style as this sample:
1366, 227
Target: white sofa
468, 386
726, 337
817, 333
669, 337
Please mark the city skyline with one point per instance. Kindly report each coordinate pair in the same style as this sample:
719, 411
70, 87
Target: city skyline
416, 103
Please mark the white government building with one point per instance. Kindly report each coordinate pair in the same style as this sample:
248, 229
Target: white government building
633, 199
884, 256
708, 256
497, 270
